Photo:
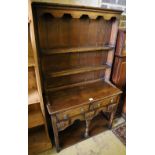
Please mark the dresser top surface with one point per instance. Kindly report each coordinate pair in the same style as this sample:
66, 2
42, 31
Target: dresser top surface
80, 95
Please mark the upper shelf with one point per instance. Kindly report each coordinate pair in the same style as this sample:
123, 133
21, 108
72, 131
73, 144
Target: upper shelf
77, 49
77, 71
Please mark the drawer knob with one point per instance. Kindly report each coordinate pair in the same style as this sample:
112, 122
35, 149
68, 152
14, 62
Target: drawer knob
91, 99
112, 100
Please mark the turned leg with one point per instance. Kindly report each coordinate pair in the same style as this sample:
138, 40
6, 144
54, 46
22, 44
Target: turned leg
86, 135
56, 135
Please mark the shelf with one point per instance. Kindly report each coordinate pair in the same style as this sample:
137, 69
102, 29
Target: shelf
77, 71
77, 49
35, 118
33, 97
38, 141
50, 89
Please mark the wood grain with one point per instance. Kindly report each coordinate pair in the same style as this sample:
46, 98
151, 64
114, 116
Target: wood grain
77, 96
119, 67
76, 49
77, 71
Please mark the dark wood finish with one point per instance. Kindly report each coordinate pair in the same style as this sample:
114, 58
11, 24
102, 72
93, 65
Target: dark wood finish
76, 49
119, 67
77, 71
81, 95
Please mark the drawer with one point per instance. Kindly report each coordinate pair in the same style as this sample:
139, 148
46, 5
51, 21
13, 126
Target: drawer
65, 115
102, 103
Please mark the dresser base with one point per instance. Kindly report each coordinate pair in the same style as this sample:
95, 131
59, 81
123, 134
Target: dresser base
75, 133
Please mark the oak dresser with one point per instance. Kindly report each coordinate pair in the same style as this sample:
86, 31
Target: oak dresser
76, 47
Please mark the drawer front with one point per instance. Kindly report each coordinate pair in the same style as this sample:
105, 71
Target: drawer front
72, 112
111, 107
62, 125
68, 114
102, 103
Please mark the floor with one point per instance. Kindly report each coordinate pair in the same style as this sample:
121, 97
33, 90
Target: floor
105, 143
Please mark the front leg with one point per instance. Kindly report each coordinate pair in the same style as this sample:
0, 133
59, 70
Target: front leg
56, 135
88, 117
86, 135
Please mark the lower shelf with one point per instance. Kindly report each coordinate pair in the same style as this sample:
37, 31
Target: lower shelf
75, 133
38, 140
35, 116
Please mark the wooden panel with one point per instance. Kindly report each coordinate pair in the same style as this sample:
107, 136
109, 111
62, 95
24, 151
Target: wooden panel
119, 72
122, 75
121, 43
71, 80
72, 61
119, 67
60, 32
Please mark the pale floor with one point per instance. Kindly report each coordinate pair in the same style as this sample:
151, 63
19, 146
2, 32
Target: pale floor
105, 143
